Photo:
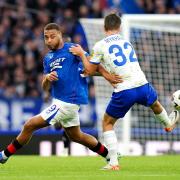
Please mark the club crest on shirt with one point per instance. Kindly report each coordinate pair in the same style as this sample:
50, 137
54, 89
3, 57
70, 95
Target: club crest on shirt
50, 55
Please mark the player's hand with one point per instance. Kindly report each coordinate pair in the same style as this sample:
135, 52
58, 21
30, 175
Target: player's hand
77, 50
114, 79
52, 76
84, 74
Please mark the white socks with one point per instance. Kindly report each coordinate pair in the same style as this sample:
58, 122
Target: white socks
110, 140
163, 118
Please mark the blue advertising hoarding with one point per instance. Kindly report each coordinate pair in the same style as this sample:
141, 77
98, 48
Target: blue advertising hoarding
14, 112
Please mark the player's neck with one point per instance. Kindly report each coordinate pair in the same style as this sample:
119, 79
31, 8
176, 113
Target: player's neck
61, 45
112, 32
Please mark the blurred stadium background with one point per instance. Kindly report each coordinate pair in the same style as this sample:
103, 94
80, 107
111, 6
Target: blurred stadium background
21, 55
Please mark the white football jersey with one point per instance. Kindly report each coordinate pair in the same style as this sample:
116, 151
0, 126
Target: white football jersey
118, 56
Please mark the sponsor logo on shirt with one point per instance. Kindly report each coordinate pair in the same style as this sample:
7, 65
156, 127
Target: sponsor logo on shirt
56, 64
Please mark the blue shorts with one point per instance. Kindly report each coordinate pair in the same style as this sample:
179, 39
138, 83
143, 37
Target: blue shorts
122, 101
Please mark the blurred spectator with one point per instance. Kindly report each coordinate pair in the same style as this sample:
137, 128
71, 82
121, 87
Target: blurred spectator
21, 34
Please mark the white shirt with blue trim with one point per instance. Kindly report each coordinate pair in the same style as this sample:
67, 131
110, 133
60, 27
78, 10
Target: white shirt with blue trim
118, 56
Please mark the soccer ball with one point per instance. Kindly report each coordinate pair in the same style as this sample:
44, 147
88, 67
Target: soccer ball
176, 100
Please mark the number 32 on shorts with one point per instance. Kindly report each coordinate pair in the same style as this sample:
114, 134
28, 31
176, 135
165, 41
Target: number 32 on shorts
120, 53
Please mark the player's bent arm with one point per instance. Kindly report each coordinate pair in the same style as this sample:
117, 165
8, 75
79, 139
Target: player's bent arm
89, 68
46, 84
102, 71
48, 78
112, 78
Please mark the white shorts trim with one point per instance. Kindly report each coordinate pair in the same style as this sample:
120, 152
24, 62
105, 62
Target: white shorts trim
61, 112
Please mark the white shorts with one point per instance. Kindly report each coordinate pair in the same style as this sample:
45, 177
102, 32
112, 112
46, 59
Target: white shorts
61, 112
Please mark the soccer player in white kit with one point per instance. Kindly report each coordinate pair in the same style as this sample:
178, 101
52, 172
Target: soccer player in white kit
118, 56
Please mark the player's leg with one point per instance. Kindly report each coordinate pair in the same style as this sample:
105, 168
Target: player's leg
160, 113
69, 118
110, 140
117, 108
23, 138
45, 118
30, 126
65, 139
148, 97
66, 143
75, 134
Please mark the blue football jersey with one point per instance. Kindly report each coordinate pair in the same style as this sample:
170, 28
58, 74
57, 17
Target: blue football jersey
70, 87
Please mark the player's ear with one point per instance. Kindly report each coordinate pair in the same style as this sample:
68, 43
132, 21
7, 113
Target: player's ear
59, 33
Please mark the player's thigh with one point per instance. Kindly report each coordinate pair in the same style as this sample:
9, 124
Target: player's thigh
120, 104
146, 95
35, 122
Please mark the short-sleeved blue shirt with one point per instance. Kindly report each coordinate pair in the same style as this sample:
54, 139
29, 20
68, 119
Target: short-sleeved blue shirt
71, 87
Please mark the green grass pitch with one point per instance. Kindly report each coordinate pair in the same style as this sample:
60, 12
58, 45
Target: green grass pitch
88, 168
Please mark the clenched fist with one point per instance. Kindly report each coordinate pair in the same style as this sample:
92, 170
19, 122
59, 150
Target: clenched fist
52, 76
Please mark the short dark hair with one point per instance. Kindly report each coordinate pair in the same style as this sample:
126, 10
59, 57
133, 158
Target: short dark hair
51, 26
112, 22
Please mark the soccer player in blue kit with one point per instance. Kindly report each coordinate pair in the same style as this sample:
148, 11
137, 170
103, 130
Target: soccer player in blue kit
63, 77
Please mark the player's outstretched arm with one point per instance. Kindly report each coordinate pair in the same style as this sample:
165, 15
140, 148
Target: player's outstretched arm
48, 78
90, 69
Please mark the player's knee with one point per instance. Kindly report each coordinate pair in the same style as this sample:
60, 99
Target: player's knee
107, 125
157, 107
108, 122
29, 126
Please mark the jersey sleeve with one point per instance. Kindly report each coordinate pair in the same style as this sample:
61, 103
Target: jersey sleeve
77, 57
85, 53
96, 54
